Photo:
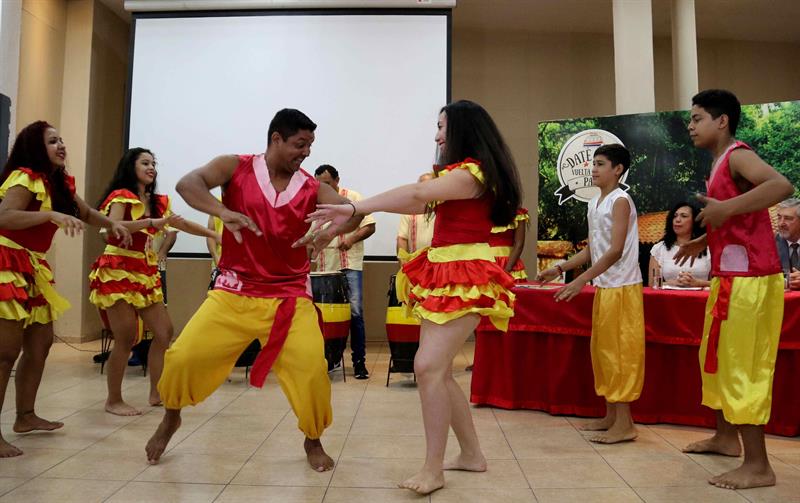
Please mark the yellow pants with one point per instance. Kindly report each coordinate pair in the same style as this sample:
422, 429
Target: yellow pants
204, 354
748, 347
617, 344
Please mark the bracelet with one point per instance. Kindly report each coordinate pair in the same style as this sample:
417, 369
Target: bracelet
354, 208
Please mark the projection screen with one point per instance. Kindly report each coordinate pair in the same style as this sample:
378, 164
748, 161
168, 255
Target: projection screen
205, 85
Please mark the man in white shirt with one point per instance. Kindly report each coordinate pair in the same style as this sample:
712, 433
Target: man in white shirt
346, 254
415, 231
788, 240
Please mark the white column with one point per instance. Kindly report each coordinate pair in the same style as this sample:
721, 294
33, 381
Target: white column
10, 29
633, 56
684, 53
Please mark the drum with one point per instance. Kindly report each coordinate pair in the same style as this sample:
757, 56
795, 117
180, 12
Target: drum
331, 299
402, 331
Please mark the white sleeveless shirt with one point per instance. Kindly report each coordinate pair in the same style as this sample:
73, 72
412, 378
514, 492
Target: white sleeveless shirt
624, 271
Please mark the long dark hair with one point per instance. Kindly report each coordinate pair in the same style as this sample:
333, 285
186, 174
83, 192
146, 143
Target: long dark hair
471, 132
669, 233
125, 178
29, 151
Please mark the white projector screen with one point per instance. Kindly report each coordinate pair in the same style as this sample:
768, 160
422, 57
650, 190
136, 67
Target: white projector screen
373, 84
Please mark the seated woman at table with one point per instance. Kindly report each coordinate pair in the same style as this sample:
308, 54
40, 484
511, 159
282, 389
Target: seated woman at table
680, 228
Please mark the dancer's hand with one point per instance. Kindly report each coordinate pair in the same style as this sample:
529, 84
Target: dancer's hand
336, 213
570, 291
316, 240
70, 225
715, 212
122, 233
690, 250
235, 222
548, 275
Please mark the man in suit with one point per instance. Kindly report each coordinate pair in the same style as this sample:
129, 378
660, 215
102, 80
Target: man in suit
788, 240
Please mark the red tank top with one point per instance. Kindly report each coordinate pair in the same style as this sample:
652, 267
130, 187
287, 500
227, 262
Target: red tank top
463, 221
37, 238
744, 245
267, 265
140, 239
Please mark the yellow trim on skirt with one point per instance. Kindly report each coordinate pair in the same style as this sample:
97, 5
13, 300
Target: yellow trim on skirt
748, 348
617, 344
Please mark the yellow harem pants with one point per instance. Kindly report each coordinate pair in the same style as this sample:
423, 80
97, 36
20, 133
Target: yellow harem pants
617, 345
203, 356
748, 347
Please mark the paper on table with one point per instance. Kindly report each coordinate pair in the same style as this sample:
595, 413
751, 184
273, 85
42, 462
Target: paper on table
670, 287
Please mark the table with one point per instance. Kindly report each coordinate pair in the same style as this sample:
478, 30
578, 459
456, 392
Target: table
543, 361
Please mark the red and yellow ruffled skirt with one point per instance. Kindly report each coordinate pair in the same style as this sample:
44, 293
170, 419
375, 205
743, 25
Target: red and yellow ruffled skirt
26, 286
125, 275
501, 254
445, 283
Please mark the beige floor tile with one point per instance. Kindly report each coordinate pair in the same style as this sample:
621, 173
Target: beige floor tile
341, 424
786, 490
708, 494
271, 494
34, 461
134, 437
448, 495
166, 492
231, 440
783, 445
371, 472
349, 495
413, 446
64, 438
659, 471
194, 468
9, 483
595, 495
570, 473
289, 471
99, 465
790, 459
680, 436
553, 442
51, 413
285, 445
501, 473
515, 420
62, 491
387, 425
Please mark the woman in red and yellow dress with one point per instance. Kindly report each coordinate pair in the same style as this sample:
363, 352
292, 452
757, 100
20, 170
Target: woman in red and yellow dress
38, 197
125, 281
456, 281
507, 242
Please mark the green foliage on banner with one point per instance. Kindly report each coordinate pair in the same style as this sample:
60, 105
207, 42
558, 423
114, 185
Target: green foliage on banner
665, 168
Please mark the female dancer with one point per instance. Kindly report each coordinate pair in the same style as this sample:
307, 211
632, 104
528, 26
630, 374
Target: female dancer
456, 281
126, 281
38, 197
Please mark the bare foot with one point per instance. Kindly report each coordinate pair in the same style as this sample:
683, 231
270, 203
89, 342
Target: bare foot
122, 409
424, 482
716, 445
7, 450
600, 424
317, 457
615, 435
29, 421
158, 442
155, 399
744, 477
466, 463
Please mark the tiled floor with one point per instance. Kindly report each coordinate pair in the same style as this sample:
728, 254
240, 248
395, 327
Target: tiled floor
242, 445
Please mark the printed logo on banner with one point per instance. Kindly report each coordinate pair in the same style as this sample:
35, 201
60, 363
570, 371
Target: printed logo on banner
575, 165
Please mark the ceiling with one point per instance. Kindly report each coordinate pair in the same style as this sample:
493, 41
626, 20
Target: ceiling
764, 20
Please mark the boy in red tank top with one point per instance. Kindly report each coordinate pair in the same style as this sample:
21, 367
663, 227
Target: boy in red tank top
745, 307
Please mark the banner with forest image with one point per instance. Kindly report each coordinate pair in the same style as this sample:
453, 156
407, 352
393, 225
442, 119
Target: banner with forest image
665, 167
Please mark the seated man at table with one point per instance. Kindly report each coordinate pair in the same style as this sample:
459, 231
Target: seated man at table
681, 227
617, 344
788, 240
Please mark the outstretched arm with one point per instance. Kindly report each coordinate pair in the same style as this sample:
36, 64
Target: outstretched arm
519, 244
93, 217
194, 187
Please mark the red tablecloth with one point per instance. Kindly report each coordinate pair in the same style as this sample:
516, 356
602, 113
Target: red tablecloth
543, 361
